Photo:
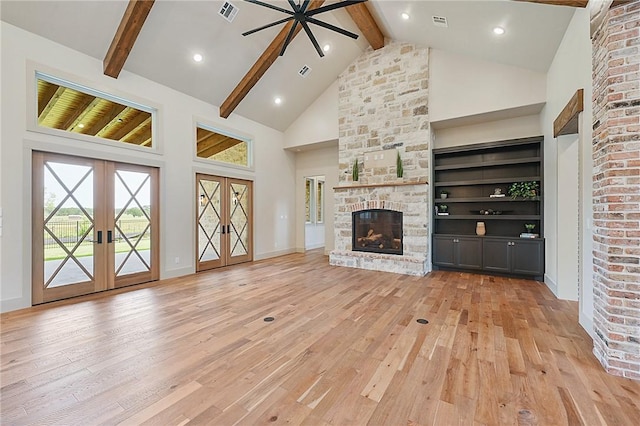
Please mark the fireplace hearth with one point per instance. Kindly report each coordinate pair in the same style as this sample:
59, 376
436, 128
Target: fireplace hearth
377, 231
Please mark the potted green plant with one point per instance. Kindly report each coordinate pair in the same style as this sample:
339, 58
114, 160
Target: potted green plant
355, 171
444, 193
529, 227
443, 208
399, 169
526, 190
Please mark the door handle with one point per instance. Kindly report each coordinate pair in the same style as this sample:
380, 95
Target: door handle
99, 239
109, 236
222, 232
228, 229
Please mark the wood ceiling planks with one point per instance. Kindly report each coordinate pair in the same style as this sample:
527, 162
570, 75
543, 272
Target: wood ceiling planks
570, 3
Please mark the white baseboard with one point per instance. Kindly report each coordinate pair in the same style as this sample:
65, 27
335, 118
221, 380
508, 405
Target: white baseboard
315, 246
587, 324
551, 284
270, 254
14, 304
179, 272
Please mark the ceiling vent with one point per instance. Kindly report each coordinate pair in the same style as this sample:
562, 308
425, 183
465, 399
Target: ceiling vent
228, 11
305, 71
440, 21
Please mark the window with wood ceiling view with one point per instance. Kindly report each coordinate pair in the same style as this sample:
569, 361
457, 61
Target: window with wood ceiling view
75, 111
219, 147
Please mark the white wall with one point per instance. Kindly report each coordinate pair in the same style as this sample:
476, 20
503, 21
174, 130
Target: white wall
274, 172
318, 123
509, 128
324, 162
461, 86
568, 172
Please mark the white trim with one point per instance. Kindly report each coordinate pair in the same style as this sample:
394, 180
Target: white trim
271, 254
227, 131
37, 71
551, 284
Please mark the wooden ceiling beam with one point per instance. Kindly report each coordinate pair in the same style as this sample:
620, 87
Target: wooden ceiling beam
367, 25
105, 121
47, 94
260, 67
126, 35
570, 3
76, 115
211, 140
50, 104
140, 120
230, 143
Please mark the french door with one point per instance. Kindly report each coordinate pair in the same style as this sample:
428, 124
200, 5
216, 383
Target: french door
224, 221
95, 226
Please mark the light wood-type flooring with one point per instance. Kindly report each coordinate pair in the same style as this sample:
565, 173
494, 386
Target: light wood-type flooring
344, 349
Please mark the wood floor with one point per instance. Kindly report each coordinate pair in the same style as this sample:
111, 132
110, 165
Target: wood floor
344, 349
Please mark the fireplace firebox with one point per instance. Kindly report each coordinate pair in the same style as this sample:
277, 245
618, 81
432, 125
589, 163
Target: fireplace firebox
377, 230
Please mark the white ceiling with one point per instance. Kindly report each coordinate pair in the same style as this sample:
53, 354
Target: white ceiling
175, 30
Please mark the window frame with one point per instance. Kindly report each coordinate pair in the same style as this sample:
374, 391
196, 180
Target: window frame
37, 72
247, 139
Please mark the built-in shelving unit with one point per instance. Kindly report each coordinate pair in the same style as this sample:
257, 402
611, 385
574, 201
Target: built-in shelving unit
471, 174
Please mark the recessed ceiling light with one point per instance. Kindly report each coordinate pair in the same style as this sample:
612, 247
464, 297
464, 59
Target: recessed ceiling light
81, 126
326, 47
405, 15
498, 30
197, 57
277, 101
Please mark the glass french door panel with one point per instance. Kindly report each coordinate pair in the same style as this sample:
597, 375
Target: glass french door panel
68, 224
239, 219
132, 228
209, 220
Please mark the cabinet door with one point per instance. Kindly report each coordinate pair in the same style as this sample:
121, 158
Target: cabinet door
496, 255
444, 251
528, 257
469, 250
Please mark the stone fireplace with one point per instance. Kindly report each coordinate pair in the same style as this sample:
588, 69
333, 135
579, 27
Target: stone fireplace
377, 231
382, 112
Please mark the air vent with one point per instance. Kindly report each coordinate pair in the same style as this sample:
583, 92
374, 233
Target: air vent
228, 11
305, 71
440, 21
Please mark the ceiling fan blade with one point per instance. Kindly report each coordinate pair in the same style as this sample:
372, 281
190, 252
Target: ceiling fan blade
304, 6
334, 6
264, 27
289, 37
294, 6
312, 38
270, 6
332, 28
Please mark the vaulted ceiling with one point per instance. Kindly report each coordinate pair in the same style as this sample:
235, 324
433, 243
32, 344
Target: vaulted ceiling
175, 30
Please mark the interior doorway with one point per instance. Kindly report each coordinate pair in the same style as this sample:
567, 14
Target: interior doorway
224, 221
95, 226
314, 231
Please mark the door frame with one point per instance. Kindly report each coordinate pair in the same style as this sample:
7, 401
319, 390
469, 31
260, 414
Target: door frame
104, 256
225, 258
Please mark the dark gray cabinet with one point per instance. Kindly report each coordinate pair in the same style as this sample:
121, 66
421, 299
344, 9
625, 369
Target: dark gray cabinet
513, 256
457, 251
472, 184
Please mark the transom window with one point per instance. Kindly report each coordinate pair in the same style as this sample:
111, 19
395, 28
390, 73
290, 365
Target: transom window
75, 109
217, 146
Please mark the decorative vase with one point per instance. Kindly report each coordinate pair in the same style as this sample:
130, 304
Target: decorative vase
443, 195
480, 229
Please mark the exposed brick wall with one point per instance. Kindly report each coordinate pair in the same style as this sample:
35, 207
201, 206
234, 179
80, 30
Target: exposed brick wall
383, 98
616, 190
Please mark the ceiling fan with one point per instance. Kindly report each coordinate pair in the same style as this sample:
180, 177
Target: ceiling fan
300, 15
